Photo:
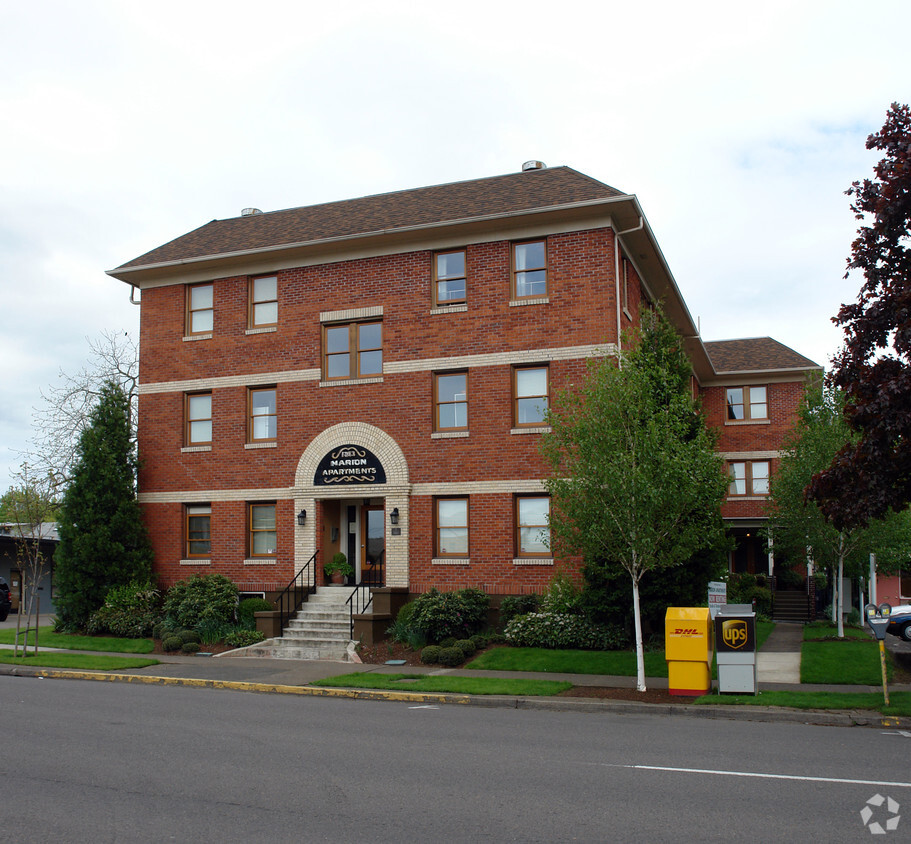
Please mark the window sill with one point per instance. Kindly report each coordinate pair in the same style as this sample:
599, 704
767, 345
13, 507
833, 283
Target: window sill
450, 561
533, 561
270, 444
196, 562
736, 422
534, 300
346, 382
190, 337
531, 429
748, 497
448, 435
266, 329
260, 561
449, 309
192, 449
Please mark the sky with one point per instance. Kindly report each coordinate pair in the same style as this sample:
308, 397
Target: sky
738, 126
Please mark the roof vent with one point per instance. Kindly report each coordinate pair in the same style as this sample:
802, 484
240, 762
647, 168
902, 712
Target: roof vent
250, 212
533, 165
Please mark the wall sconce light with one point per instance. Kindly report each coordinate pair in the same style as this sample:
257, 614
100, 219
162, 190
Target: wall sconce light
394, 516
302, 517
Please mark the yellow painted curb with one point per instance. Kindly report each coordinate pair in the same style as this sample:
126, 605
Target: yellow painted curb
313, 691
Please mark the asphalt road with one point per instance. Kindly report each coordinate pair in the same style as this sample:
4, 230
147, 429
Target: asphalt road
98, 762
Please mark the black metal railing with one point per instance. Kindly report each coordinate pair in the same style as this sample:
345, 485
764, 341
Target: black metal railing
358, 601
296, 592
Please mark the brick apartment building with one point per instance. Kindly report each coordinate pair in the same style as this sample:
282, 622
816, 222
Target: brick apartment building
369, 376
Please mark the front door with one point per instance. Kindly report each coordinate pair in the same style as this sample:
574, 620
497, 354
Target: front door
373, 546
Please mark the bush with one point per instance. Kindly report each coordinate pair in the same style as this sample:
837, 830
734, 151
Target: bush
562, 597
451, 656
403, 629
479, 640
513, 605
439, 615
187, 636
559, 630
430, 655
211, 632
467, 647
129, 611
190, 647
243, 638
790, 579
172, 643
247, 609
203, 598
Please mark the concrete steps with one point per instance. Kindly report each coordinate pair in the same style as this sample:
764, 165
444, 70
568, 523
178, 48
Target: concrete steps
320, 630
791, 606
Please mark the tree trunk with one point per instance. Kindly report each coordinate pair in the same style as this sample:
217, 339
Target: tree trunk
841, 618
640, 656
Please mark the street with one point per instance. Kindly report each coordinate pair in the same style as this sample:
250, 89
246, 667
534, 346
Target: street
88, 761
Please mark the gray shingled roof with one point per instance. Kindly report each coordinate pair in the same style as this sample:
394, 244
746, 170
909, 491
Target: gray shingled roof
512, 193
754, 354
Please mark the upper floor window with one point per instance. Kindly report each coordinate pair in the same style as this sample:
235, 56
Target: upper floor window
449, 277
532, 526
200, 311
263, 304
451, 399
529, 269
263, 419
262, 536
749, 477
198, 530
198, 416
451, 527
747, 403
530, 395
353, 350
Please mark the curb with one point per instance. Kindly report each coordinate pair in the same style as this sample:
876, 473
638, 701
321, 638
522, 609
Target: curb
768, 714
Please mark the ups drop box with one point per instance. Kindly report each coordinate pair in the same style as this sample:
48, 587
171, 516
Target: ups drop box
735, 649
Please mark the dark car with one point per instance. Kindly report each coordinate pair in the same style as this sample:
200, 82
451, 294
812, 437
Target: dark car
6, 601
900, 622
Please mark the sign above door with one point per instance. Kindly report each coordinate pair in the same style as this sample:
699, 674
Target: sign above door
349, 465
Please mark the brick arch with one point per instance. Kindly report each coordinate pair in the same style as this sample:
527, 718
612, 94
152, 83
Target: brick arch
356, 433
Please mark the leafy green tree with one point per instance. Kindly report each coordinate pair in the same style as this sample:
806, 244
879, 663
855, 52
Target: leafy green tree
872, 473
103, 542
797, 523
636, 486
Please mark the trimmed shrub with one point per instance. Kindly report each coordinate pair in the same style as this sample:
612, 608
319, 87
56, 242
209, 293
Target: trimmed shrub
467, 647
247, 609
203, 598
188, 636
243, 638
439, 615
451, 656
479, 640
430, 655
559, 630
172, 643
513, 605
448, 642
129, 611
190, 647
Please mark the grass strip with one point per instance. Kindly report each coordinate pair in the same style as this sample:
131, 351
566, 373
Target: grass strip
842, 662
900, 702
824, 630
47, 638
84, 662
617, 663
443, 684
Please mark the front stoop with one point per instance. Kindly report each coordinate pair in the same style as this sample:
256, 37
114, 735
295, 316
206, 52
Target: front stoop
320, 630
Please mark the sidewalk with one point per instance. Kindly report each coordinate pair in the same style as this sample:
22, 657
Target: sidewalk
778, 668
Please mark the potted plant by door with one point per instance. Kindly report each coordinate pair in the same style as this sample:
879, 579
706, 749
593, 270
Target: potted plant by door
337, 569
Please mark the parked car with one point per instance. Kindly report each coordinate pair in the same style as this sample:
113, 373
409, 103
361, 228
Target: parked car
900, 622
6, 600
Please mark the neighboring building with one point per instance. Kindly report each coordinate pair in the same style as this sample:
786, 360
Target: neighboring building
12, 567
371, 375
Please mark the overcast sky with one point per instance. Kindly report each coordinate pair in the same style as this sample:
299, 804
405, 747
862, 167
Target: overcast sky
738, 126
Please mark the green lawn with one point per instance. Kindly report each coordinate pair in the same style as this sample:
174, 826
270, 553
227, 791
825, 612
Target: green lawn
444, 684
47, 638
900, 702
84, 662
618, 663
825, 630
842, 661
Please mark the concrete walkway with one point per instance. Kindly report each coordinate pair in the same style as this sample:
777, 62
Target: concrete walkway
778, 660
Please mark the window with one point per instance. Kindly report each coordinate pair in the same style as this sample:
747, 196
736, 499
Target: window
529, 269
263, 305
451, 527
530, 392
263, 423
451, 399
198, 414
262, 540
749, 478
199, 530
449, 277
532, 528
200, 312
747, 403
353, 350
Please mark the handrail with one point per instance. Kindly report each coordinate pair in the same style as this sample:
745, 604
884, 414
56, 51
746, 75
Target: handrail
362, 595
294, 595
